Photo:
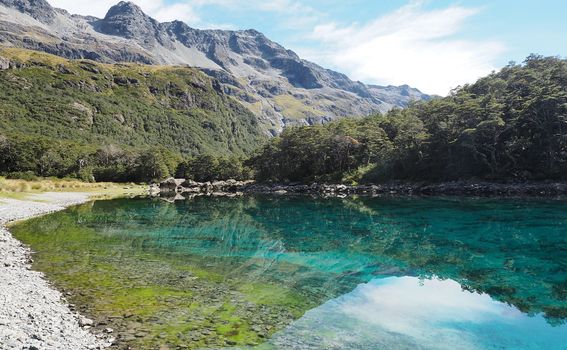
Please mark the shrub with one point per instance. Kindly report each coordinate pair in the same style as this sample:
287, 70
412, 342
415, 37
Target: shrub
22, 175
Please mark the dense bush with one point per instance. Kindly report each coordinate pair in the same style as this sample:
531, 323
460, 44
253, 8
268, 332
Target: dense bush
209, 168
23, 175
30, 157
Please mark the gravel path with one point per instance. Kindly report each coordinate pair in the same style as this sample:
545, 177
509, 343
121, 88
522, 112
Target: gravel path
33, 315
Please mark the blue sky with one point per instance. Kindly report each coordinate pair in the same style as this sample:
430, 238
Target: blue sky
434, 45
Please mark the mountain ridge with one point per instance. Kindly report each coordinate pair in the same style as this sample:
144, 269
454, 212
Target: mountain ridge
273, 82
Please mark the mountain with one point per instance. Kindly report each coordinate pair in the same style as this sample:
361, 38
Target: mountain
277, 85
87, 104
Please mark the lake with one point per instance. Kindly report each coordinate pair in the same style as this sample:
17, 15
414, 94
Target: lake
286, 272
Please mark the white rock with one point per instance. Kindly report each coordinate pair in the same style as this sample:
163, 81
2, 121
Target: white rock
84, 322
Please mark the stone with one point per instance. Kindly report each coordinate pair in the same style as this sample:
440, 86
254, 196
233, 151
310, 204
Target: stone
85, 322
129, 338
4, 63
171, 185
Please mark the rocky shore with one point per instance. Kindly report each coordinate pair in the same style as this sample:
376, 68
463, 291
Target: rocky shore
33, 315
420, 189
180, 188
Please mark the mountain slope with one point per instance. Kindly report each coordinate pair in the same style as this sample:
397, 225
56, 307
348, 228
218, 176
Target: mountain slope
128, 105
273, 82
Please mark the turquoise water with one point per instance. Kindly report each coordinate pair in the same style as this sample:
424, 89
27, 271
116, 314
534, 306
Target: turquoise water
314, 273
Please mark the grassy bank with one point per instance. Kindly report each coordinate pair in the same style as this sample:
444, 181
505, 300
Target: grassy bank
21, 189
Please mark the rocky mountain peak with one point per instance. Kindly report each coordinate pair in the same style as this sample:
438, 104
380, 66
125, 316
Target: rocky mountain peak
125, 9
38, 9
127, 20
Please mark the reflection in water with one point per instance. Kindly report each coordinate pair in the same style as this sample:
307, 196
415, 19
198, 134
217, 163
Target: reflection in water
215, 272
411, 313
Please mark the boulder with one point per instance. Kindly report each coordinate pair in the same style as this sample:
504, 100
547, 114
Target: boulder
4, 63
171, 185
190, 184
154, 189
85, 322
190, 190
218, 186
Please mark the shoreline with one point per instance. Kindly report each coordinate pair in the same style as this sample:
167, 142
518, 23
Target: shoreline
455, 188
33, 314
180, 187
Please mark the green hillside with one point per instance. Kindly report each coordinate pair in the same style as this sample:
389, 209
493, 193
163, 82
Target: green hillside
54, 108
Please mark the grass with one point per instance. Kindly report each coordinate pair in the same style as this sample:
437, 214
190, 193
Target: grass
293, 107
29, 55
21, 189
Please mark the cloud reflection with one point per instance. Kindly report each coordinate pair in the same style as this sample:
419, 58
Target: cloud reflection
410, 313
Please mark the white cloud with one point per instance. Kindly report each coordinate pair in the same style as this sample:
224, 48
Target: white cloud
179, 11
412, 313
158, 9
408, 46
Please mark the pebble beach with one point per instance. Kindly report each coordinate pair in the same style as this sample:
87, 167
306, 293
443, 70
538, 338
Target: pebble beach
34, 315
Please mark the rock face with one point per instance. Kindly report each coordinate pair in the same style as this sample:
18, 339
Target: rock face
273, 82
127, 20
37, 9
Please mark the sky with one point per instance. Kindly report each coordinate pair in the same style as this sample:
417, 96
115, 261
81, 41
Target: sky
433, 45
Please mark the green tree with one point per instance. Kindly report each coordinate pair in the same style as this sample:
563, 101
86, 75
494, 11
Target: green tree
151, 166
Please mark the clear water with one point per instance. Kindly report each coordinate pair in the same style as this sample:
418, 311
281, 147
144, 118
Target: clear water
314, 273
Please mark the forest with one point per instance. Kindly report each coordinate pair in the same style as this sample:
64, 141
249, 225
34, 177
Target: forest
510, 125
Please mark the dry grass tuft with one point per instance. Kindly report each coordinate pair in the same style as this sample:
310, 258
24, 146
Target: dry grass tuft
15, 188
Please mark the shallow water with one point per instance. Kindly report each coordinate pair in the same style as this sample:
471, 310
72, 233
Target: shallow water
313, 273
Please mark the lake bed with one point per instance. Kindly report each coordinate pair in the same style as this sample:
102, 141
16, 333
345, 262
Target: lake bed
313, 273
